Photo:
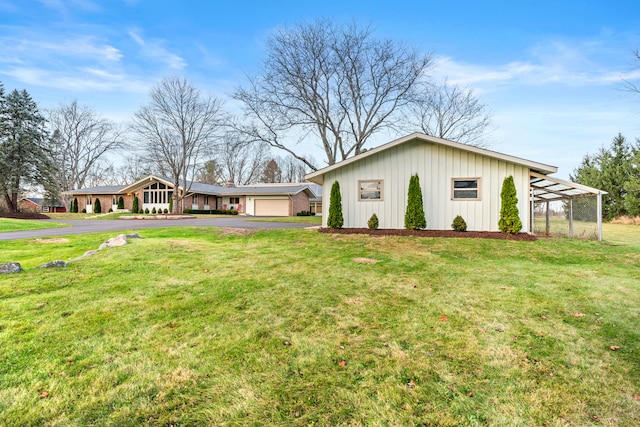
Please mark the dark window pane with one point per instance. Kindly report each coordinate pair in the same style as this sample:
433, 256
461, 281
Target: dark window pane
146, 197
465, 194
471, 183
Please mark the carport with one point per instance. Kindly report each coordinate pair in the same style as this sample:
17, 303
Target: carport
546, 189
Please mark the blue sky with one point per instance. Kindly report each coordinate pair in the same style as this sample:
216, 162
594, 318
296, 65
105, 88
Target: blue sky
550, 71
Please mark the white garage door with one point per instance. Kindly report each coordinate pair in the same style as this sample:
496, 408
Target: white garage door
272, 207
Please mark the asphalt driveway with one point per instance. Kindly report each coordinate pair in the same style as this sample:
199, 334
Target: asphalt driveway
80, 226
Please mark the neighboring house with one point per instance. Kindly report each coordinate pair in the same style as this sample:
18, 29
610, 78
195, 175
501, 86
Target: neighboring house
39, 204
456, 179
156, 192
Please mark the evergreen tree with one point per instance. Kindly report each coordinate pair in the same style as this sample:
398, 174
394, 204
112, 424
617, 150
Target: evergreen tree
509, 216
74, 205
120, 203
24, 158
414, 218
171, 204
616, 170
134, 206
96, 206
335, 219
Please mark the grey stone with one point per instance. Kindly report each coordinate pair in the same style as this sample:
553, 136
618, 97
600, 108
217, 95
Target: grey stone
56, 263
10, 267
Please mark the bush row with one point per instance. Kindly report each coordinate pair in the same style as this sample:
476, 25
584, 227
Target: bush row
211, 211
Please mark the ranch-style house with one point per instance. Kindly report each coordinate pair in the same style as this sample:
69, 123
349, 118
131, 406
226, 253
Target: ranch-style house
156, 192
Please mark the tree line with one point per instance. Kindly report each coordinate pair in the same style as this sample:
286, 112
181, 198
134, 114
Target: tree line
320, 84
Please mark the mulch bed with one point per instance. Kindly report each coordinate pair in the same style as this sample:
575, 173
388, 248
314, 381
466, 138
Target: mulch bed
23, 215
433, 233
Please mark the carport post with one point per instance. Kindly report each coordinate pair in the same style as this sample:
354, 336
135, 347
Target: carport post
571, 217
599, 215
547, 224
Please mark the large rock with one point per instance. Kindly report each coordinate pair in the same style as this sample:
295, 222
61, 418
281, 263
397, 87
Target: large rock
56, 263
10, 267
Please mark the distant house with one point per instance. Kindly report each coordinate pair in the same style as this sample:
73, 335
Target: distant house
456, 179
156, 192
39, 204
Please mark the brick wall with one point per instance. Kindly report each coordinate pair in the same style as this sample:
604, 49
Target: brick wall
299, 203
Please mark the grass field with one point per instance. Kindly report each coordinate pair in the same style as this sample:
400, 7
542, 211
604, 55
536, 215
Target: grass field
11, 224
314, 220
202, 326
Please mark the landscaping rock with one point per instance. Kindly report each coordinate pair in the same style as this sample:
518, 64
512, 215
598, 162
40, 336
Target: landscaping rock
10, 267
56, 263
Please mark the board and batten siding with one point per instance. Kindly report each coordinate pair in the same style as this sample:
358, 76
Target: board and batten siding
436, 165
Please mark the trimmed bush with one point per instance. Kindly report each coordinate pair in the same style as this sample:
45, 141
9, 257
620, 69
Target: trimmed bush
171, 204
211, 211
146, 210
459, 224
134, 206
110, 210
165, 210
509, 216
74, 205
96, 207
153, 210
120, 203
335, 219
84, 211
305, 213
373, 222
414, 218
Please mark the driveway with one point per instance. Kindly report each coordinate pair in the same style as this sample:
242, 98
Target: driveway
79, 226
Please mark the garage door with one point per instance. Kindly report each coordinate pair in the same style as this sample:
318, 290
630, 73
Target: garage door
272, 207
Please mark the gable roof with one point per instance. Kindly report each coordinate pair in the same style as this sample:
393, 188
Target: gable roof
279, 189
318, 176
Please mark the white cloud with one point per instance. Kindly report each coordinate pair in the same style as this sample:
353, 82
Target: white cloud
86, 47
154, 49
585, 63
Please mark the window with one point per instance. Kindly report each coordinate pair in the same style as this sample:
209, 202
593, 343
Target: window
206, 200
370, 190
234, 200
194, 199
465, 189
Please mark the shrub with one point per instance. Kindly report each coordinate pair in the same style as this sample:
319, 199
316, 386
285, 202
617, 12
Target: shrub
459, 224
373, 222
305, 213
134, 206
110, 210
84, 211
165, 210
146, 210
335, 219
74, 205
414, 218
211, 211
153, 210
171, 204
96, 207
509, 216
120, 203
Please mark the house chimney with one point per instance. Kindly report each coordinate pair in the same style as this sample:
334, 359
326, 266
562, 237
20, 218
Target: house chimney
229, 184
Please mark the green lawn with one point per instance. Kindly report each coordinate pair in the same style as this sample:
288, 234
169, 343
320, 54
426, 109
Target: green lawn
314, 220
12, 224
202, 326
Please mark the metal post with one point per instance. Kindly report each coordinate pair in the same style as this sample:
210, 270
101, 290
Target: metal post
548, 219
571, 217
599, 215
532, 213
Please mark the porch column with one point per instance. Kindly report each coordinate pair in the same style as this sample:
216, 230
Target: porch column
571, 217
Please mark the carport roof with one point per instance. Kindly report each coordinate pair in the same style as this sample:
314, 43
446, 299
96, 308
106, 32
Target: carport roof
546, 188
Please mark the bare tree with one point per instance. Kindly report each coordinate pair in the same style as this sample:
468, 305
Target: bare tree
451, 112
629, 85
339, 84
80, 141
271, 172
177, 129
293, 170
134, 168
241, 162
210, 173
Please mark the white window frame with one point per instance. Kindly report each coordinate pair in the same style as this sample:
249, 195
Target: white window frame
380, 183
466, 199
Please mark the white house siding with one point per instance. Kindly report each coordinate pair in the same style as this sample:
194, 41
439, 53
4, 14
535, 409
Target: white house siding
436, 165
